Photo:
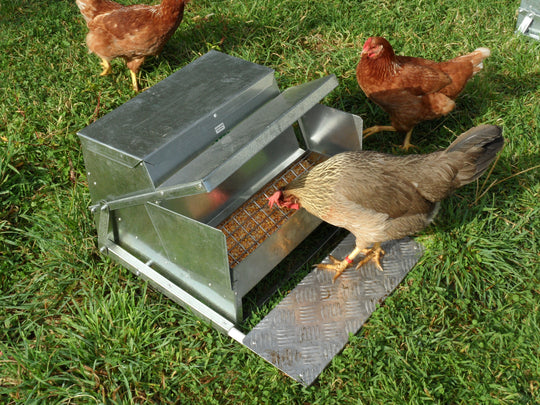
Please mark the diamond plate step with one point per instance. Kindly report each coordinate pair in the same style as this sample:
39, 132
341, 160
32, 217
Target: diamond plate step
304, 332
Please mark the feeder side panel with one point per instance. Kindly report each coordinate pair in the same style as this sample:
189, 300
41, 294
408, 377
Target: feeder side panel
110, 178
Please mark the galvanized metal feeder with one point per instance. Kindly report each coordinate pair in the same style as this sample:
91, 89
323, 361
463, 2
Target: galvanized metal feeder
179, 178
528, 19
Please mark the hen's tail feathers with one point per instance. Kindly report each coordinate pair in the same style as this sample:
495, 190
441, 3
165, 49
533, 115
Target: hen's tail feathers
477, 57
481, 143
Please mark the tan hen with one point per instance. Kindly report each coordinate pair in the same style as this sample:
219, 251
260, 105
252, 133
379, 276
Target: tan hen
380, 197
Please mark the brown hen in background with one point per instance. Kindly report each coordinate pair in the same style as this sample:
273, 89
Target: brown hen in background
409, 89
129, 32
380, 197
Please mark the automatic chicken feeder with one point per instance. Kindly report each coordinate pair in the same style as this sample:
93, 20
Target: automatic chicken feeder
179, 178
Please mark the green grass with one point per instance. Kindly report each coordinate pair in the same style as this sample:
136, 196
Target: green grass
76, 328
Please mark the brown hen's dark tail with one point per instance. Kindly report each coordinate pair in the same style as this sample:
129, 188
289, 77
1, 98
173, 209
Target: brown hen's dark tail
480, 143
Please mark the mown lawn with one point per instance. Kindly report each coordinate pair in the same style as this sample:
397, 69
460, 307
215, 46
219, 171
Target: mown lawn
76, 328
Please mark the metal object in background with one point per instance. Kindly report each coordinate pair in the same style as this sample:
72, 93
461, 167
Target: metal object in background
528, 20
304, 332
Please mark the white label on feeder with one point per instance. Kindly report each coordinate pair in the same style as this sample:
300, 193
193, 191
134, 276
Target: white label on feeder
219, 128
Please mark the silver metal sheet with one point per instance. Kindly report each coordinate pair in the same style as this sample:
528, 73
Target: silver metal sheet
330, 131
251, 135
108, 178
302, 334
171, 290
169, 123
528, 19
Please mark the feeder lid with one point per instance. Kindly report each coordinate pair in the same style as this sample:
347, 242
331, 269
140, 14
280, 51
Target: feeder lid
185, 111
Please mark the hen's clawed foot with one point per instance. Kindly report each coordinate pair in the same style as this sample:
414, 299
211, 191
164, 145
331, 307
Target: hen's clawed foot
106, 67
407, 142
337, 265
375, 253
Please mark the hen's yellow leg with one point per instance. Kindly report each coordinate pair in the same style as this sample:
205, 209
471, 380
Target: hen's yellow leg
407, 142
106, 67
375, 253
134, 81
339, 265
377, 128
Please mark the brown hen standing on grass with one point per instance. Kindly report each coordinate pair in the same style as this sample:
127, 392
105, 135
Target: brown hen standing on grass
129, 32
380, 197
412, 89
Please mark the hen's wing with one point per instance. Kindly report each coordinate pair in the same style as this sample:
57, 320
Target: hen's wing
92, 8
125, 22
407, 109
383, 190
374, 202
420, 76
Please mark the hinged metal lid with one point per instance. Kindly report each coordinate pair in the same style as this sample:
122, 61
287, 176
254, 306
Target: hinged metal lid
172, 120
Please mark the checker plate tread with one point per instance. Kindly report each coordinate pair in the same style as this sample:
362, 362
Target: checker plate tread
302, 334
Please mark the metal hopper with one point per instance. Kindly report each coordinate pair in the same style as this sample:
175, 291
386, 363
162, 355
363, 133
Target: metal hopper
180, 174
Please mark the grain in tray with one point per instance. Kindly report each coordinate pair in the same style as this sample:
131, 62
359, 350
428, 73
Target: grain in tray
253, 222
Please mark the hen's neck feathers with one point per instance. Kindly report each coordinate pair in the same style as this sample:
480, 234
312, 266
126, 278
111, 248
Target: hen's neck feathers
383, 66
317, 189
172, 7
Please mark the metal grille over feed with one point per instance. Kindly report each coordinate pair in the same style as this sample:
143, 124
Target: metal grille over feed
254, 222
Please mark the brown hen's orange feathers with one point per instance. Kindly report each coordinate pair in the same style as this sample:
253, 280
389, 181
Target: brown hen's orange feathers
129, 32
410, 89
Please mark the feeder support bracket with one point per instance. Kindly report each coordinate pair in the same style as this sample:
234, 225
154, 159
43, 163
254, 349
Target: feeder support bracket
103, 227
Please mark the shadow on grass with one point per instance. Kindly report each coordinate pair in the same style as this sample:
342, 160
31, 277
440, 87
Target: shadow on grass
214, 32
512, 87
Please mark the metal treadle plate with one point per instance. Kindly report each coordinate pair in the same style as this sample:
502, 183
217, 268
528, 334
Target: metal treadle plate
302, 334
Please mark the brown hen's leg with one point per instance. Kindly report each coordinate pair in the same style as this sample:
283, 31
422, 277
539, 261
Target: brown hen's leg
106, 67
134, 65
134, 81
375, 254
377, 128
407, 142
